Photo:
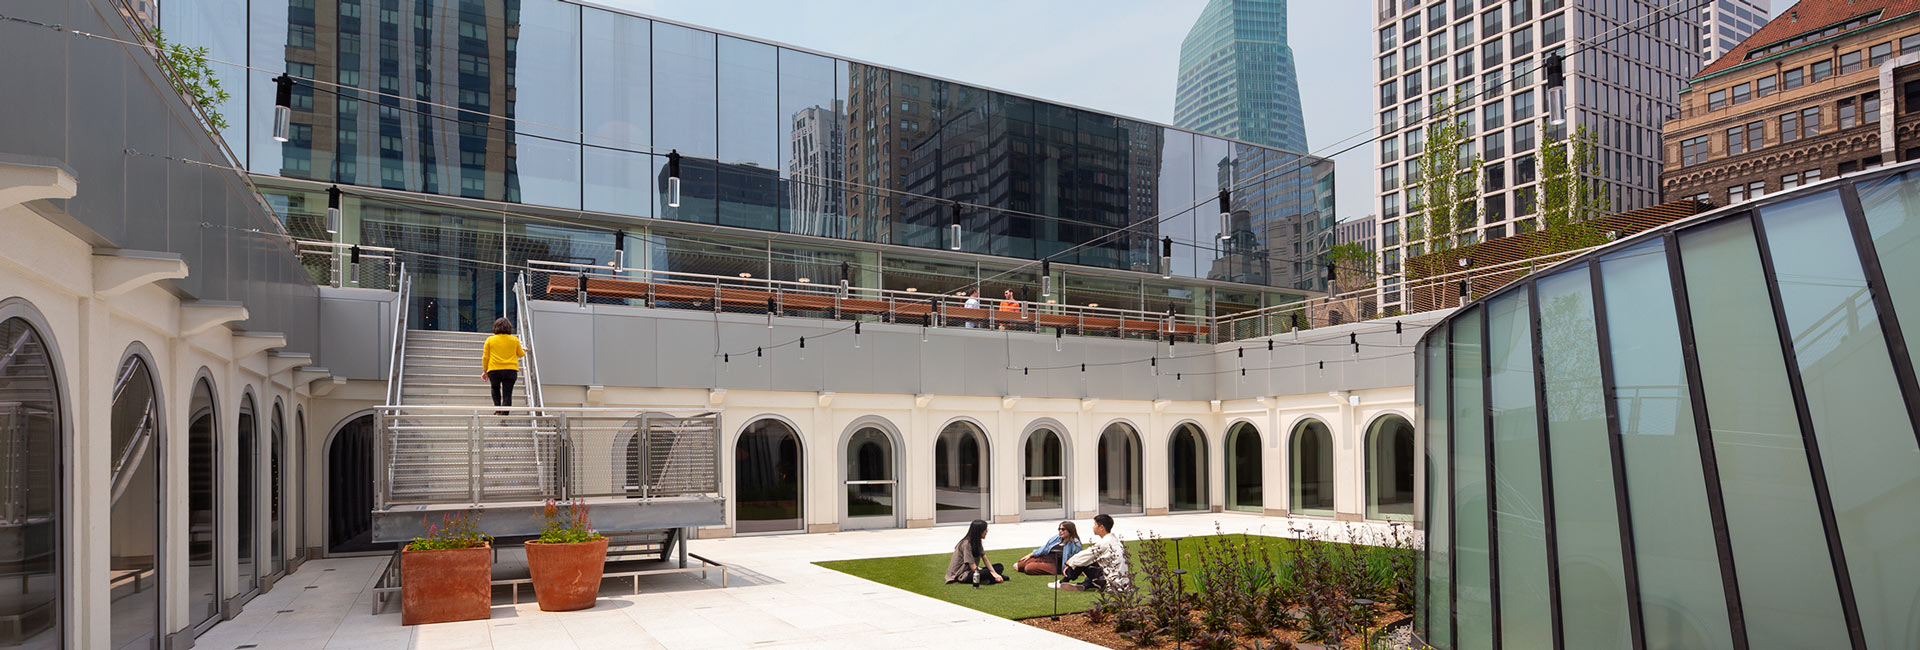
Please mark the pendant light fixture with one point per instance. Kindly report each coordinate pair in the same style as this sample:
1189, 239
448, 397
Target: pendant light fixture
1166, 258
953, 229
673, 178
333, 210
1046, 278
282, 107
1226, 214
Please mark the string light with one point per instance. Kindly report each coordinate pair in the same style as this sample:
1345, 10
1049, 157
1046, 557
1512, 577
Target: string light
1226, 214
856, 335
1166, 258
282, 107
333, 210
673, 178
1046, 278
953, 229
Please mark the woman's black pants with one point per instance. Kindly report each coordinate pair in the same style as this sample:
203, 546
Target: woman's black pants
502, 381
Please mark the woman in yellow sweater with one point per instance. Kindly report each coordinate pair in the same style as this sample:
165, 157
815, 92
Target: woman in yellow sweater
501, 363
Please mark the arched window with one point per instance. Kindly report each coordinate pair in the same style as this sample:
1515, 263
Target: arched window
1390, 468
1044, 467
766, 478
1118, 458
31, 493
1187, 469
1312, 470
350, 488
872, 496
203, 506
960, 474
1244, 482
246, 539
276, 491
297, 477
133, 581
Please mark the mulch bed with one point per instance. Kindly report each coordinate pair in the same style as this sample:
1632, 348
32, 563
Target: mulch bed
1077, 626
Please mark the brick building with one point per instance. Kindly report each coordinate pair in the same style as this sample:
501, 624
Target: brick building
1827, 88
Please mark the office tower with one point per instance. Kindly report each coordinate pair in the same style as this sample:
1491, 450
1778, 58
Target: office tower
1725, 23
1236, 76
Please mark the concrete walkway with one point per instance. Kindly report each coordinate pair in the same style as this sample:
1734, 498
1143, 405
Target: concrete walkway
777, 598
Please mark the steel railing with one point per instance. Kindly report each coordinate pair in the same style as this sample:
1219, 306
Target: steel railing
472, 455
672, 289
333, 264
397, 363
535, 396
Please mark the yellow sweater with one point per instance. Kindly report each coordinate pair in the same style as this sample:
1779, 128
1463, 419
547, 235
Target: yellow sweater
502, 352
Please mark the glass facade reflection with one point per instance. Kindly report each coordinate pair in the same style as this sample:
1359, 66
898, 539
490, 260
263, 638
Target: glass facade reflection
1715, 446
552, 105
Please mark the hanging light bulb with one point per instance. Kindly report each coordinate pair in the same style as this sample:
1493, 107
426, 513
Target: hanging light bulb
1057, 332
759, 354
619, 249
673, 178
1046, 278
282, 107
846, 285
1226, 214
803, 348
770, 310
333, 210
953, 229
1155, 363
856, 335
1166, 258
353, 263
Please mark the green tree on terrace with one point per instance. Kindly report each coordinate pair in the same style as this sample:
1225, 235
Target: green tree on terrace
1353, 267
1570, 193
1447, 192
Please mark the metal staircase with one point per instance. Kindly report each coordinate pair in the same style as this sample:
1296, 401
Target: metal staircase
444, 369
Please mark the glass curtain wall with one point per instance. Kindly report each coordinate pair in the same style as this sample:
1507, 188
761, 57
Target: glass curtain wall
766, 479
1244, 480
553, 104
30, 505
1311, 450
1389, 451
1714, 447
1043, 462
960, 474
1119, 460
1187, 469
203, 504
133, 580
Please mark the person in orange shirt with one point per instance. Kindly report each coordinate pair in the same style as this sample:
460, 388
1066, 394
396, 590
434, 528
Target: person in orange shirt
1009, 309
501, 362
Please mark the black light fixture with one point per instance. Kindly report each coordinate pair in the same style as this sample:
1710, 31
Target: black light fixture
1057, 332
1556, 88
803, 348
1046, 278
673, 178
282, 107
856, 335
1226, 214
1166, 258
353, 263
953, 229
770, 309
333, 210
845, 283
1329, 276
619, 249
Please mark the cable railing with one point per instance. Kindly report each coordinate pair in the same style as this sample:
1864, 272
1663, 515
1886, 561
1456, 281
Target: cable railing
564, 281
337, 265
459, 455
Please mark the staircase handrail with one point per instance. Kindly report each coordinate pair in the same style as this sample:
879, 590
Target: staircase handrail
535, 396
396, 364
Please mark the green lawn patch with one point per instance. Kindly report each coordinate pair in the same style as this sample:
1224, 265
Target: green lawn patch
1023, 596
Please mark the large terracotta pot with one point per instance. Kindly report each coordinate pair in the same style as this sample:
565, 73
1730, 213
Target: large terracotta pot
447, 585
566, 577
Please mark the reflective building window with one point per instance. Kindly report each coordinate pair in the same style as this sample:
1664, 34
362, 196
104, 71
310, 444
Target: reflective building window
133, 579
33, 495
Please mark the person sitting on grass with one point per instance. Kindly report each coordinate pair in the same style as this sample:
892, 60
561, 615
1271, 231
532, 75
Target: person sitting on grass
969, 563
1048, 559
1103, 563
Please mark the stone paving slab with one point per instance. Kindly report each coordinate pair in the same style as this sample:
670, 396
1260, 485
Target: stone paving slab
778, 599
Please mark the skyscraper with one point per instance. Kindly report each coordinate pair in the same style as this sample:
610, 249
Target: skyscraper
1625, 63
1725, 23
1236, 76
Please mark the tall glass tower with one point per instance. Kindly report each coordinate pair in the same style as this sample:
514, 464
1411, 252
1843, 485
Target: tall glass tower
1236, 75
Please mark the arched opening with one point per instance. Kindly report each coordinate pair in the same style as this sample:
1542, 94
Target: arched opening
1390, 468
1312, 452
766, 478
246, 526
297, 477
31, 503
1118, 457
1187, 469
350, 488
1244, 482
960, 474
203, 505
276, 492
872, 498
1044, 467
133, 548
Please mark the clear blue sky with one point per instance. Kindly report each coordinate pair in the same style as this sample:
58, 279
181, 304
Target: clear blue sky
1119, 56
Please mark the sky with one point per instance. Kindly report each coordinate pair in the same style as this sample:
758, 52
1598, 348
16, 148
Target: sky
1116, 56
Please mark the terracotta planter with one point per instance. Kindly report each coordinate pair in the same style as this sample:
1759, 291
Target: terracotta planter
443, 586
566, 577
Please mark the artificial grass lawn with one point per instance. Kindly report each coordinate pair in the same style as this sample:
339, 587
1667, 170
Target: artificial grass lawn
1022, 596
